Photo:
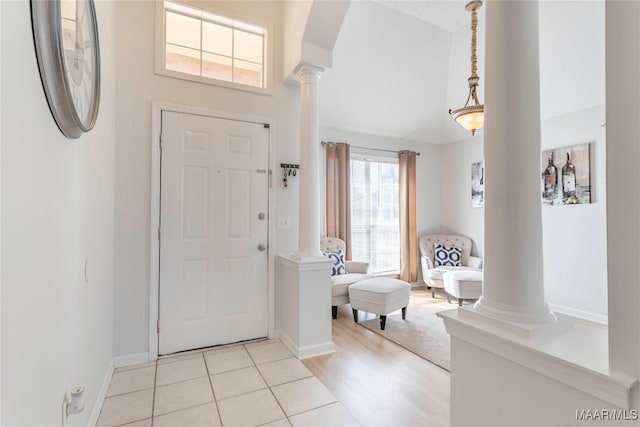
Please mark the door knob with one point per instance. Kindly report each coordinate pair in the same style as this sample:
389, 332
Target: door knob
262, 247
261, 216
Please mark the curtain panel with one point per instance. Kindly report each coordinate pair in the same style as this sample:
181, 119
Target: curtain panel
408, 225
339, 193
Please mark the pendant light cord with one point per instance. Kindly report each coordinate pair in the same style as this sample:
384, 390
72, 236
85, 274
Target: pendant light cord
474, 56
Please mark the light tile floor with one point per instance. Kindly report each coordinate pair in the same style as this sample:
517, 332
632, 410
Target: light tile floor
254, 384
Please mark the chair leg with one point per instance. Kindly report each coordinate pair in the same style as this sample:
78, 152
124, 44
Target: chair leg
433, 293
334, 311
448, 299
355, 315
404, 313
383, 322
460, 300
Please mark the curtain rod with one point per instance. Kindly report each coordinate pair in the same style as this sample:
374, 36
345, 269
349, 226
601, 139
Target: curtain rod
324, 144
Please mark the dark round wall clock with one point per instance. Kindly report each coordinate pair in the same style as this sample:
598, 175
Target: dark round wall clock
65, 34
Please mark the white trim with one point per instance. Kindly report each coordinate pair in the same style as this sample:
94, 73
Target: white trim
373, 155
308, 351
154, 247
131, 359
102, 394
600, 319
308, 264
614, 388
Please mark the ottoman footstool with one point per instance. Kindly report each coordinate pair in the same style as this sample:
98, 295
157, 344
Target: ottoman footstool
380, 296
463, 284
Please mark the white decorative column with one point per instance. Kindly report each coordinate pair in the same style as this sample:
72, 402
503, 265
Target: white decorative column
513, 288
509, 346
303, 281
309, 220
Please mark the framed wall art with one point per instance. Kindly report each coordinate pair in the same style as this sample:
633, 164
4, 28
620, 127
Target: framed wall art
566, 175
477, 184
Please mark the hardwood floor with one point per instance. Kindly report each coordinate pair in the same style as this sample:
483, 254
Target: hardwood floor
379, 382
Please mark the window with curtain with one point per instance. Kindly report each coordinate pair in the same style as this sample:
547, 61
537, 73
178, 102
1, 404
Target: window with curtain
375, 223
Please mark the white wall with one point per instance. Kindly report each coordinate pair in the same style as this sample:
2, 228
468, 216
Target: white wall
458, 215
574, 246
429, 172
575, 237
57, 212
138, 86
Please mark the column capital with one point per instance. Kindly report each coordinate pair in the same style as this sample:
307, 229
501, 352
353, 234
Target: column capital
308, 72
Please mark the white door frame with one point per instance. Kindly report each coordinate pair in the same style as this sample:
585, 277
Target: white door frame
154, 245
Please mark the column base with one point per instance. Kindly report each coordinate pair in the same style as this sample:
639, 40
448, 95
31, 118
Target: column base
518, 321
577, 357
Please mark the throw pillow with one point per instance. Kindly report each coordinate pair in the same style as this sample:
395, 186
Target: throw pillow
338, 262
450, 257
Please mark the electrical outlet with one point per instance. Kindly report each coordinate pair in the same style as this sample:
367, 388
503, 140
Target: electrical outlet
283, 222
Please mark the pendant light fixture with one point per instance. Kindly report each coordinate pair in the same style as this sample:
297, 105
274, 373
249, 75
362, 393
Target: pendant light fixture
471, 117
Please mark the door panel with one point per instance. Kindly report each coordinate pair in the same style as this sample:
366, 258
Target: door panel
213, 277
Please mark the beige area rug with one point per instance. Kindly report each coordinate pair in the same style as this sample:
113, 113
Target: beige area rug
422, 332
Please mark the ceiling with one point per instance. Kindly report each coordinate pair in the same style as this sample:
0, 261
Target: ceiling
398, 66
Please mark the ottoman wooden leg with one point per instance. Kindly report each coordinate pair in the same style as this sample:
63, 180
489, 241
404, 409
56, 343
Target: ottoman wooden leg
460, 300
383, 321
404, 313
334, 311
355, 315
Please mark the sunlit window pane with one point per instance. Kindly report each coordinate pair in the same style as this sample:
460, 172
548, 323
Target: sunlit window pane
183, 60
214, 47
247, 46
375, 224
216, 67
217, 39
247, 73
183, 31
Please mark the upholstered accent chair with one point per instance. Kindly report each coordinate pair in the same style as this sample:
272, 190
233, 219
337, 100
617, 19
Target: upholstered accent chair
432, 273
355, 272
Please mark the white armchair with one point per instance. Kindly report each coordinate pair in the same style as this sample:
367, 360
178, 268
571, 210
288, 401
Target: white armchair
432, 274
356, 271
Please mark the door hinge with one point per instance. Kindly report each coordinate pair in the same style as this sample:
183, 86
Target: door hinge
158, 326
161, 141
158, 233
270, 176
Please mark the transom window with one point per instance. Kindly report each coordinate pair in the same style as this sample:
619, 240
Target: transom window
375, 214
212, 47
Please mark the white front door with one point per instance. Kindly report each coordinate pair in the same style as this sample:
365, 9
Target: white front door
213, 221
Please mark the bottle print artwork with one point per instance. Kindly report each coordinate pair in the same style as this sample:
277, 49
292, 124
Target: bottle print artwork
550, 177
566, 175
569, 181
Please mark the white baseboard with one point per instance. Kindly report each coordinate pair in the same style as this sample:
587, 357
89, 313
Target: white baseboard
307, 351
287, 341
102, 394
586, 315
130, 359
316, 350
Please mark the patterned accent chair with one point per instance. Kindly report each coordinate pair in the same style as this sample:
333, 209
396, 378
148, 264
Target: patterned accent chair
356, 271
431, 273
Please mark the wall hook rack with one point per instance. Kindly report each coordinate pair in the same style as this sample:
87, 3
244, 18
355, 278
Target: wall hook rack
288, 170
